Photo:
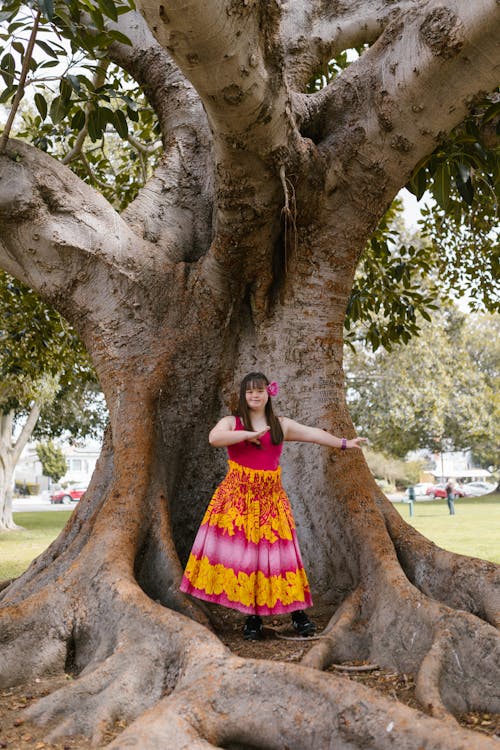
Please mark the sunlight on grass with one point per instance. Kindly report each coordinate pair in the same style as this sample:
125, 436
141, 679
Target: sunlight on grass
473, 530
19, 548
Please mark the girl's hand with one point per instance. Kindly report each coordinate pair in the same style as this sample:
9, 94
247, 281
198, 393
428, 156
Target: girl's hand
258, 435
356, 442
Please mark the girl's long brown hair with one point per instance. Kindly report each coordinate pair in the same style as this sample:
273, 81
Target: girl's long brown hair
258, 380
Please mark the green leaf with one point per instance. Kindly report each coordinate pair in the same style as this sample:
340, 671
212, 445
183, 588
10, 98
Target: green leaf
41, 105
7, 93
109, 9
47, 8
66, 90
120, 123
465, 187
58, 109
8, 69
441, 185
119, 37
78, 120
46, 48
74, 82
492, 112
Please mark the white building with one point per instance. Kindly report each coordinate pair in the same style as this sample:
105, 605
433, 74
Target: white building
80, 460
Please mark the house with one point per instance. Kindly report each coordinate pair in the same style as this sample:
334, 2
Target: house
80, 462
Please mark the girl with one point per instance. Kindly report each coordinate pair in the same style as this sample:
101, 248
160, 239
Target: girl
246, 554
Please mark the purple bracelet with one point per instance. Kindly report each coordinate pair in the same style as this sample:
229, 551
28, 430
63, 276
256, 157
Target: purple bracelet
344, 444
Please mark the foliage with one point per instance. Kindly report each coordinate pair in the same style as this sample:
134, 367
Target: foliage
52, 459
42, 359
394, 288
436, 393
86, 112
393, 471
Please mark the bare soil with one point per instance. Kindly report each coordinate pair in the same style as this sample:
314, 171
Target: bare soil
280, 644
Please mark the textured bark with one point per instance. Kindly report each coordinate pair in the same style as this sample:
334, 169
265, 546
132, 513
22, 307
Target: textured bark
240, 253
10, 453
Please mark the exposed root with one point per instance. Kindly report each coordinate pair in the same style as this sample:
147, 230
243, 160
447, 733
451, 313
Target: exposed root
227, 704
334, 635
427, 683
23, 654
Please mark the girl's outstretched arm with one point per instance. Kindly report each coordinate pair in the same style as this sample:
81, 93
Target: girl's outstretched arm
224, 434
294, 431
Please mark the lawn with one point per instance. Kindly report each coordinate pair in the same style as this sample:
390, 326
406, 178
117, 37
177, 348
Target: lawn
473, 530
18, 548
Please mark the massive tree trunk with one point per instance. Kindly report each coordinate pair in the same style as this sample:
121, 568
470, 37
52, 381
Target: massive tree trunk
240, 253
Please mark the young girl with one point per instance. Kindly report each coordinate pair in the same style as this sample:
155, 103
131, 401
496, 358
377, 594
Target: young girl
246, 554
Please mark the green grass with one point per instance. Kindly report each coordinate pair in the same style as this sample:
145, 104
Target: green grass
473, 530
18, 548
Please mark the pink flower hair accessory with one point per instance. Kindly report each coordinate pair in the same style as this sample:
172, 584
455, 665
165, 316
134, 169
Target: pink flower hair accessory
273, 388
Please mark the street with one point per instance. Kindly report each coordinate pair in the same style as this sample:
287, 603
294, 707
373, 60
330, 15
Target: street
37, 502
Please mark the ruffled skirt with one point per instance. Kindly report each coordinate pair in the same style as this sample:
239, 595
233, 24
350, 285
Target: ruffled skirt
246, 555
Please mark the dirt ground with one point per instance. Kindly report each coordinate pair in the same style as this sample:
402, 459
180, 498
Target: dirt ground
18, 734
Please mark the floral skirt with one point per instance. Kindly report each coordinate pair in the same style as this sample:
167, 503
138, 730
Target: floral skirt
246, 554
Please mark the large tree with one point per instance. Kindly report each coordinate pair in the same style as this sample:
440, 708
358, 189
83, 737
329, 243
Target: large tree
240, 252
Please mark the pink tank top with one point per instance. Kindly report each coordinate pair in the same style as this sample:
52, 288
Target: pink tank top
266, 456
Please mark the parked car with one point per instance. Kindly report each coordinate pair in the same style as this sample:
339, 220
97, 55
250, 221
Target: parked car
439, 490
69, 495
478, 488
420, 489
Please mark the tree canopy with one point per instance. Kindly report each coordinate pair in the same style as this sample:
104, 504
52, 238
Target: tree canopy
439, 392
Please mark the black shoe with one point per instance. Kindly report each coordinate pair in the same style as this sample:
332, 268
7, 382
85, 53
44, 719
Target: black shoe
302, 623
252, 630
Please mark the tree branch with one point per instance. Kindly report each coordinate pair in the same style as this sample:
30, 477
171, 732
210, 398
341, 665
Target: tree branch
66, 240
26, 432
393, 106
313, 33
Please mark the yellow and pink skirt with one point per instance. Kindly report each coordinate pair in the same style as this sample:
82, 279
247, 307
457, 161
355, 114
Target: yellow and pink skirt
246, 555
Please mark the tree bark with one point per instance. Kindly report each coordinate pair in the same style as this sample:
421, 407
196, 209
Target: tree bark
175, 303
10, 453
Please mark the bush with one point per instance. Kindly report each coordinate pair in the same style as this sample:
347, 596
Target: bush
26, 488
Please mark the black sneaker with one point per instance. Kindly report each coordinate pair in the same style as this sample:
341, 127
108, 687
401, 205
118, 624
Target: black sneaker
252, 630
302, 623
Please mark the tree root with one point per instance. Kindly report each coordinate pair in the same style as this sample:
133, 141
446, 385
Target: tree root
334, 636
227, 704
427, 682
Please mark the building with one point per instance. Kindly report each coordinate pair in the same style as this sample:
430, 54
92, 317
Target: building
80, 460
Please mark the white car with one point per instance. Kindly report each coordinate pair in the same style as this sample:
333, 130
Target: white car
420, 489
478, 488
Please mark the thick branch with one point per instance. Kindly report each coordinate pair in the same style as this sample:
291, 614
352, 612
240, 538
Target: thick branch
313, 33
64, 240
393, 106
177, 201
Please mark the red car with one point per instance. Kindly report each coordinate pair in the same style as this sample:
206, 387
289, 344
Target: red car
69, 495
439, 490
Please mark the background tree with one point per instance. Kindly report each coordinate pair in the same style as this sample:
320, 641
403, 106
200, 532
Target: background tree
240, 251
47, 386
52, 459
437, 392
